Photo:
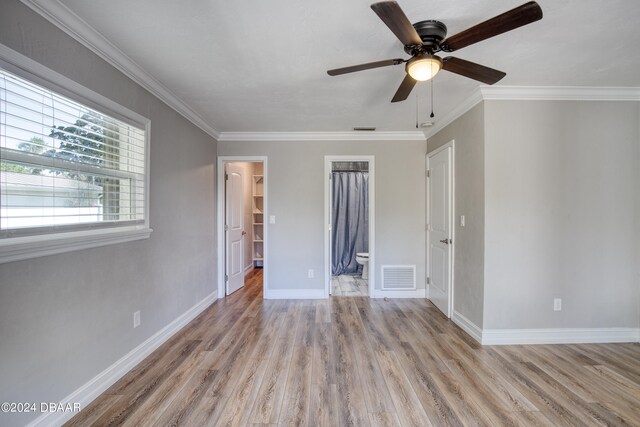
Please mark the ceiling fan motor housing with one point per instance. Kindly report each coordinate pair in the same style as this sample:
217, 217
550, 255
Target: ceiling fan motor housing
432, 33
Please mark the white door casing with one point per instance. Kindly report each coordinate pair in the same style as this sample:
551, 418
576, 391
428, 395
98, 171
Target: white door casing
439, 220
234, 227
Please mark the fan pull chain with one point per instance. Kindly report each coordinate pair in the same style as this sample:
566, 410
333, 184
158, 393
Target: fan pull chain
432, 115
416, 109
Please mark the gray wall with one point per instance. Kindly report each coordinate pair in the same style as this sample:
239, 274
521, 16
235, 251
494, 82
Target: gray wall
561, 192
468, 133
65, 318
296, 197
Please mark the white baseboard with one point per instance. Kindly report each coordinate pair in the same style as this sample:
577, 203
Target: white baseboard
559, 336
415, 293
96, 386
545, 336
294, 294
467, 325
248, 269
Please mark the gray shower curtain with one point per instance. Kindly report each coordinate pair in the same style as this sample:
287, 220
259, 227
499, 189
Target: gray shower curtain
349, 219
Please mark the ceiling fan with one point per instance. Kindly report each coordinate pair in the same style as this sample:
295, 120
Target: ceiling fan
424, 39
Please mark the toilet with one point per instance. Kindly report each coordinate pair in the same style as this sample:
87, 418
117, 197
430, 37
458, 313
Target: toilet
362, 258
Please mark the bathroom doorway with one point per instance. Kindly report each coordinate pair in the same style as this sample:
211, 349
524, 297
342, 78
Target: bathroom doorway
349, 225
242, 232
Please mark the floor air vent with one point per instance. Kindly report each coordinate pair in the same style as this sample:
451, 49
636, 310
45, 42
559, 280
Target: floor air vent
399, 277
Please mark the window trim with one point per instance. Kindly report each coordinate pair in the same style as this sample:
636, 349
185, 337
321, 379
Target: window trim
26, 247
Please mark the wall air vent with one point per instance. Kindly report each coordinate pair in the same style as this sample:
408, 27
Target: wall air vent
364, 129
399, 277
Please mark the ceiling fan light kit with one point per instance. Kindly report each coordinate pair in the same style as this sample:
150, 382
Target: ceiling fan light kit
424, 39
424, 67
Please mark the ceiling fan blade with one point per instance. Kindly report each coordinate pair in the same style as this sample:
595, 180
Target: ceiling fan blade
393, 16
405, 89
521, 15
472, 70
367, 66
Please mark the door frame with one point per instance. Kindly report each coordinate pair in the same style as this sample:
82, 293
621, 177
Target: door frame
452, 205
328, 160
221, 261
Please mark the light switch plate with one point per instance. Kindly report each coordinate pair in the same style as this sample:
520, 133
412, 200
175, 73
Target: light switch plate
557, 304
272, 219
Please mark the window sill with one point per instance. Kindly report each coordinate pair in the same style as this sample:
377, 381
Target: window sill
21, 248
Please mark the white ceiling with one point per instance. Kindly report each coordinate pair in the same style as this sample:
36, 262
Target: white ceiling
260, 66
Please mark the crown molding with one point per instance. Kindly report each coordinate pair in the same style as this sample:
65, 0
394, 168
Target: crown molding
474, 99
63, 18
535, 93
321, 136
560, 93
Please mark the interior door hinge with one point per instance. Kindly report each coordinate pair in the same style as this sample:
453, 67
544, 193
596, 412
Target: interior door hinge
428, 173
226, 278
226, 227
329, 176
226, 177
428, 280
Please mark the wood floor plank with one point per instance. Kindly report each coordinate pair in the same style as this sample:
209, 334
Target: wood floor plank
433, 400
90, 415
324, 368
488, 372
185, 403
384, 419
118, 413
589, 414
551, 405
323, 312
150, 410
467, 410
211, 407
266, 408
355, 361
492, 406
352, 409
375, 390
296, 400
408, 407
247, 388
323, 410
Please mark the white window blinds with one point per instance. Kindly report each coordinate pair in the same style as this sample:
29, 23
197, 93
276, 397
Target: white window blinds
64, 166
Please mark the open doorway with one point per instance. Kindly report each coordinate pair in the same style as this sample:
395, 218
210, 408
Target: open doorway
241, 222
349, 225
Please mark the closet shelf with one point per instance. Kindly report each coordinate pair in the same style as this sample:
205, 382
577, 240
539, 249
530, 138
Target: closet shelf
258, 219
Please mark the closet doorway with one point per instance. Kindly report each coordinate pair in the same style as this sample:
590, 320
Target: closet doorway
349, 225
241, 228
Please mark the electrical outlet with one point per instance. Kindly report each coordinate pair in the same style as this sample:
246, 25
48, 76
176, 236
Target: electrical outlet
557, 304
136, 319
310, 274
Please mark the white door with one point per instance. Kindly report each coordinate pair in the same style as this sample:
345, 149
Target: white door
439, 241
234, 227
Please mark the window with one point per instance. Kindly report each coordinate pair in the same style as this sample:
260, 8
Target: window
67, 169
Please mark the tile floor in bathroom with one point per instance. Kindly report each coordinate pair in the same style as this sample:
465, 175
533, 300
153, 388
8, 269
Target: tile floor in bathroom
349, 286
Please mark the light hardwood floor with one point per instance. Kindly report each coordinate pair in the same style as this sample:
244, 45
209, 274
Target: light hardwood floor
359, 361
349, 286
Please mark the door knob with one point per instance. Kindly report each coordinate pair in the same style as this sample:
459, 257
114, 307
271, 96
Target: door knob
244, 232
446, 241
